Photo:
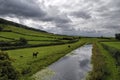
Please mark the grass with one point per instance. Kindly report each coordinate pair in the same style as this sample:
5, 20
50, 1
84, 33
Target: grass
47, 55
26, 31
110, 63
17, 36
104, 65
40, 42
113, 44
34, 33
4, 39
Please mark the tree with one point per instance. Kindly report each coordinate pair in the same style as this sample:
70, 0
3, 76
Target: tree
7, 71
21, 41
1, 28
117, 36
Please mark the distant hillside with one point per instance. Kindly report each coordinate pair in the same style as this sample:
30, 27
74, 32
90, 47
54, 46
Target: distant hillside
16, 36
6, 22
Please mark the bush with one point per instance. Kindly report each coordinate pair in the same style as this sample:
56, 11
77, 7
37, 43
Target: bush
1, 28
26, 70
21, 41
7, 71
5, 43
117, 36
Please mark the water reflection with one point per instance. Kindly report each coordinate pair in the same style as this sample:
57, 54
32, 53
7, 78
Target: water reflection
71, 67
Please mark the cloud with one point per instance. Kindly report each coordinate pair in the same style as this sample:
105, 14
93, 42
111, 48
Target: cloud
20, 8
28, 9
81, 14
78, 17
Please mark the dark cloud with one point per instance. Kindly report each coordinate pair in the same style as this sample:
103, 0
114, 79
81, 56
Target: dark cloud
81, 14
100, 17
28, 9
21, 8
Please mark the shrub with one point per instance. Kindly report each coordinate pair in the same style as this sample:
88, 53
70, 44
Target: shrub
21, 41
26, 70
1, 28
4, 43
7, 71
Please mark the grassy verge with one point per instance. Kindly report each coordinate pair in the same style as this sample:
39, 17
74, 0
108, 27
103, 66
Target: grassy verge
104, 66
114, 49
27, 65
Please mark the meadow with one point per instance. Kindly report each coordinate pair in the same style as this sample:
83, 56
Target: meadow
20, 42
27, 65
50, 47
113, 44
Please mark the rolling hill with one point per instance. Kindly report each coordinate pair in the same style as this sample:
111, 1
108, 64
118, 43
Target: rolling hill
11, 33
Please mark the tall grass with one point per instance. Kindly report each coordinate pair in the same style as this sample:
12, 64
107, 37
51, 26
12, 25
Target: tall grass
99, 68
104, 66
115, 53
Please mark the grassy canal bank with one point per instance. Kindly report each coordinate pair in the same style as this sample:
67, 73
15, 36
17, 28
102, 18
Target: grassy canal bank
27, 65
104, 64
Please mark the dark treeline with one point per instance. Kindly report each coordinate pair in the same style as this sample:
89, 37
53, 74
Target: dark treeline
117, 36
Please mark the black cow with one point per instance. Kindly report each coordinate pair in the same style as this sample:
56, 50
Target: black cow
35, 54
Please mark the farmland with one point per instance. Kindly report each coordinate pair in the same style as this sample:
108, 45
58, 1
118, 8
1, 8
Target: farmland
20, 42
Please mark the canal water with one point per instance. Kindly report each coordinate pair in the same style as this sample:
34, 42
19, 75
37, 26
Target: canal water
74, 66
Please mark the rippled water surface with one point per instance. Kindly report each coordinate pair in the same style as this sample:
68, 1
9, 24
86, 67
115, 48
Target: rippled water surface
73, 66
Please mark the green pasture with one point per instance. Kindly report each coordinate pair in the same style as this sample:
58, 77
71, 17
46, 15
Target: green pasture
4, 39
17, 36
46, 56
31, 32
113, 44
110, 63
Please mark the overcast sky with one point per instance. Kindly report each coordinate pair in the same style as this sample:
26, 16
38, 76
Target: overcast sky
71, 17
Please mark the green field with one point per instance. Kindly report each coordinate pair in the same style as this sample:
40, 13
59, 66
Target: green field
27, 65
34, 38
52, 47
47, 55
113, 44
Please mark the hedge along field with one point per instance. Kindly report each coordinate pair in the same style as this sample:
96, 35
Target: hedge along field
41, 42
27, 65
104, 65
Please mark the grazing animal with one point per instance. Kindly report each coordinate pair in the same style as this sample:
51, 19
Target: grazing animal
35, 54
21, 56
69, 46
